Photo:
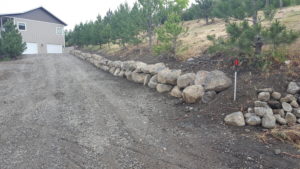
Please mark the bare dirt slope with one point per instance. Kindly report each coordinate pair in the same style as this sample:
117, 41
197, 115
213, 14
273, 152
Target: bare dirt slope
59, 112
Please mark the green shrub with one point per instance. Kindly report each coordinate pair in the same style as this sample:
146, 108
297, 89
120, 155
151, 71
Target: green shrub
11, 41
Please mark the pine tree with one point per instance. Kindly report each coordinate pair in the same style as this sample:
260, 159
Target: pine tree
11, 41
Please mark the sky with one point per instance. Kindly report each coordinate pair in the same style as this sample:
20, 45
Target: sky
71, 12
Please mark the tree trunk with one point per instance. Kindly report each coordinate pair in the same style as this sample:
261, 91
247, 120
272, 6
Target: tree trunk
206, 20
254, 17
267, 3
150, 33
280, 4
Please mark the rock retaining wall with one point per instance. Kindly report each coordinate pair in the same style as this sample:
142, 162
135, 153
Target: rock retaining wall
191, 87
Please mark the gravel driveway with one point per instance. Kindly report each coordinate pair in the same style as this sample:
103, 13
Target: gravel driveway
59, 112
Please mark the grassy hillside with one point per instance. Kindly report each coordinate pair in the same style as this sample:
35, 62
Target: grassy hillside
196, 38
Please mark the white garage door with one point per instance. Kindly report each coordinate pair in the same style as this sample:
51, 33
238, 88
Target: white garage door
32, 48
54, 48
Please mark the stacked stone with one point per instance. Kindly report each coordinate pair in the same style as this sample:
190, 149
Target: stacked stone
271, 109
191, 87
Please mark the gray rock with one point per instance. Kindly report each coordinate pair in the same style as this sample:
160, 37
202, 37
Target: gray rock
235, 119
288, 98
147, 79
200, 77
154, 68
264, 96
261, 111
279, 111
277, 151
269, 90
153, 82
295, 104
217, 81
286, 107
296, 112
176, 92
274, 104
208, 96
279, 119
186, 80
293, 88
138, 77
276, 95
192, 94
269, 121
290, 118
261, 104
117, 71
112, 70
250, 110
128, 75
163, 88
298, 121
247, 115
168, 76
253, 120
121, 73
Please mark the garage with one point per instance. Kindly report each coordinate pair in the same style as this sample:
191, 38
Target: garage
54, 48
32, 48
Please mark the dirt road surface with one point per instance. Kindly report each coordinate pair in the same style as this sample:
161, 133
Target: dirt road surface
59, 112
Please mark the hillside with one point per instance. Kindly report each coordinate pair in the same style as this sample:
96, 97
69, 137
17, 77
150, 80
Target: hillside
196, 38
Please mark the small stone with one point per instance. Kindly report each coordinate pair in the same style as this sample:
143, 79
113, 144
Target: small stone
269, 90
208, 96
261, 111
279, 111
235, 119
247, 130
296, 112
175, 92
162, 88
274, 104
250, 110
287, 107
264, 96
298, 121
277, 151
268, 121
276, 95
290, 118
288, 98
293, 88
253, 120
295, 104
280, 120
247, 115
261, 104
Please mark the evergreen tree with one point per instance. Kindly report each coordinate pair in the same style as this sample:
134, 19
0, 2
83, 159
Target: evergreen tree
11, 41
205, 9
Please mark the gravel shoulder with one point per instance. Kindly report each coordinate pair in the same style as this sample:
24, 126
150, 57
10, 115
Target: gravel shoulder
59, 112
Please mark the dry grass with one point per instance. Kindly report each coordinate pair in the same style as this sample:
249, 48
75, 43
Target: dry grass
285, 134
196, 38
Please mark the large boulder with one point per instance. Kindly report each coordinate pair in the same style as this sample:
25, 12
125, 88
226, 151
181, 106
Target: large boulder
296, 112
290, 118
153, 82
129, 65
139, 66
269, 121
235, 119
264, 96
253, 120
138, 77
293, 88
200, 77
176, 92
208, 96
154, 68
217, 81
163, 88
192, 94
186, 80
168, 76
261, 111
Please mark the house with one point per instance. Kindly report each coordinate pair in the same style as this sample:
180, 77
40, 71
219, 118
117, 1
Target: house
41, 30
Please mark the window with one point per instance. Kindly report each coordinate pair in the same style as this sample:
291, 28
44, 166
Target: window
59, 31
22, 26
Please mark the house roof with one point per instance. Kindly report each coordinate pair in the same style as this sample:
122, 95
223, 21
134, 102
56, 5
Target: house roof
39, 14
